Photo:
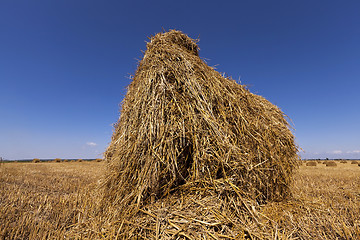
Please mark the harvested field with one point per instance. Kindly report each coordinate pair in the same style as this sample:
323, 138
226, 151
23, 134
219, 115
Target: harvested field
42, 201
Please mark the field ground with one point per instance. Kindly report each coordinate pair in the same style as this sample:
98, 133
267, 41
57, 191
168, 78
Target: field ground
59, 200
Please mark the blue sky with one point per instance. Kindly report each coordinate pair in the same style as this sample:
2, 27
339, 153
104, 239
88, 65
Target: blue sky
65, 65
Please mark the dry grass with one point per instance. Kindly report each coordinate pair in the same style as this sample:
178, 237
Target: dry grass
53, 201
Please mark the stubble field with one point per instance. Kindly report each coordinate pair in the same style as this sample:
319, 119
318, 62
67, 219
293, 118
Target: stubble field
62, 200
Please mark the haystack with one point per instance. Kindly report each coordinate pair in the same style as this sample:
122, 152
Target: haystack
185, 130
331, 164
311, 164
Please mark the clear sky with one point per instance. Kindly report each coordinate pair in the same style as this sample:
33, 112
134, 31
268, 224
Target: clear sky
65, 65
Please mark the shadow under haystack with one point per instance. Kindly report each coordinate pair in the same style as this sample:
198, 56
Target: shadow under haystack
185, 130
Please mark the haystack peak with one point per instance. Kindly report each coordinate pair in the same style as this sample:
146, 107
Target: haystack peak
171, 38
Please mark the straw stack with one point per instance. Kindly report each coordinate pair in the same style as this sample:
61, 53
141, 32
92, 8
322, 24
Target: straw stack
186, 134
331, 164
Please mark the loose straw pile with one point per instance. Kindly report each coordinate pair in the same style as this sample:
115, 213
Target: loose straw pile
193, 150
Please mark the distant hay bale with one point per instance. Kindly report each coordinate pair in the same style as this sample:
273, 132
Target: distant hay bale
36, 160
98, 160
311, 164
343, 161
186, 129
65, 160
354, 162
57, 160
79, 160
331, 164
